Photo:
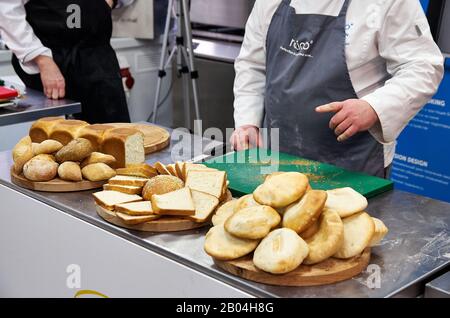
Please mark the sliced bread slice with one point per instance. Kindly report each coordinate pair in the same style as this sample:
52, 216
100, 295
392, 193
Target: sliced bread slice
172, 170
108, 199
188, 166
135, 208
174, 203
123, 188
211, 182
205, 204
179, 169
135, 220
142, 170
128, 181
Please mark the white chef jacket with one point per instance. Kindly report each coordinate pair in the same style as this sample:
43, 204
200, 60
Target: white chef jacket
393, 61
19, 36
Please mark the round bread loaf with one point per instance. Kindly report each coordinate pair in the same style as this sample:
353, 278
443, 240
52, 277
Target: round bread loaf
161, 185
223, 212
40, 169
245, 202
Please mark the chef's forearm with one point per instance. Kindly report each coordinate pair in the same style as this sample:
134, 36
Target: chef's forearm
18, 34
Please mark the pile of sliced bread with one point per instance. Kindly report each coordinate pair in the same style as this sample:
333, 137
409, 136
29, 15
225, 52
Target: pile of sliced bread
142, 193
286, 223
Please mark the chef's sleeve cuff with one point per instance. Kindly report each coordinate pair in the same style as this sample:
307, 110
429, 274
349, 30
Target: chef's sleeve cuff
381, 131
29, 65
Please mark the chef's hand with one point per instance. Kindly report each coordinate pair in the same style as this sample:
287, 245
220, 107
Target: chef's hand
246, 137
352, 116
51, 77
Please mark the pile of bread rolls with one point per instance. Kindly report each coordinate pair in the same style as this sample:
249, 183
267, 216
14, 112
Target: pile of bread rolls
143, 193
73, 150
285, 223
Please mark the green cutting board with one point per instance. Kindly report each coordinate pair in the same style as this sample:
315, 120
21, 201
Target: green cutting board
247, 169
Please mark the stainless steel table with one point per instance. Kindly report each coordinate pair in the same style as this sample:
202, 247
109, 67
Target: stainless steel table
417, 246
34, 106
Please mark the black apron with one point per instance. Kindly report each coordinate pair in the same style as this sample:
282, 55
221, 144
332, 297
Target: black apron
84, 56
306, 67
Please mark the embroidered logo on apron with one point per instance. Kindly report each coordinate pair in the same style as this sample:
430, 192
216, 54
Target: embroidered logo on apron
298, 48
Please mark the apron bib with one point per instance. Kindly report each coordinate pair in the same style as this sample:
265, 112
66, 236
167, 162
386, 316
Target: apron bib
84, 56
306, 67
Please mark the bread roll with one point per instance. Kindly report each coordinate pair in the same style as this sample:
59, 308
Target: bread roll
98, 172
46, 157
245, 201
223, 212
94, 133
161, 185
358, 232
345, 201
97, 157
48, 146
280, 252
70, 171
65, 131
22, 153
327, 241
39, 169
124, 144
42, 128
281, 190
252, 223
380, 232
302, 214
223, 246
76, 150
310, 231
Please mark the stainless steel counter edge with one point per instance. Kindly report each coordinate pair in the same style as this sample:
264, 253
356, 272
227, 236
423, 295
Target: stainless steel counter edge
153, 247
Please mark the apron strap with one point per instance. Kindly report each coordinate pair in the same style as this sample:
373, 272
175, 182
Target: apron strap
288, 2
344, 8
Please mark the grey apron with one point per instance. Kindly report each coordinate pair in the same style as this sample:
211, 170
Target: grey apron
306, 67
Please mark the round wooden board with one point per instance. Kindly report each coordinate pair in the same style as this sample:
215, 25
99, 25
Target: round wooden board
55, 185
155, 138
163, 224
330, 271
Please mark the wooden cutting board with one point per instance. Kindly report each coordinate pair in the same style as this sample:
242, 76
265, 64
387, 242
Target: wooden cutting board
155, 138
55, 185
245, 171
163, 224
330, 271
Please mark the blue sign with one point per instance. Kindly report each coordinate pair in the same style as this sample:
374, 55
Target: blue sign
422, 160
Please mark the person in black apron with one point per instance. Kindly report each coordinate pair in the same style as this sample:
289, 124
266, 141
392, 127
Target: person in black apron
306, 67
83, 54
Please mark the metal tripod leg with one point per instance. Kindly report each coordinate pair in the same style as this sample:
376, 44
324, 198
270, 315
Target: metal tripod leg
162, 71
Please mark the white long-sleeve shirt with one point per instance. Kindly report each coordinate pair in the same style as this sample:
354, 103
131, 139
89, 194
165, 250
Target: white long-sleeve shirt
17, 33
393, 62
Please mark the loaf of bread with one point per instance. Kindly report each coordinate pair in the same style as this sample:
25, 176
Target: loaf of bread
224, 246
223, 212
328, 240
94, 133
22, 153
40, 169
253, 222
109, 199
124, 144
138, 170
98, 172
42, 128
280, 252
97, 157
48, 146
161, 185
358, 233
123, 188
70, 171
174, 203
65, 131
76, 150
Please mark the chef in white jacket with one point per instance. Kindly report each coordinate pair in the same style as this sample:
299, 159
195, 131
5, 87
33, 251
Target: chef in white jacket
339, 78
